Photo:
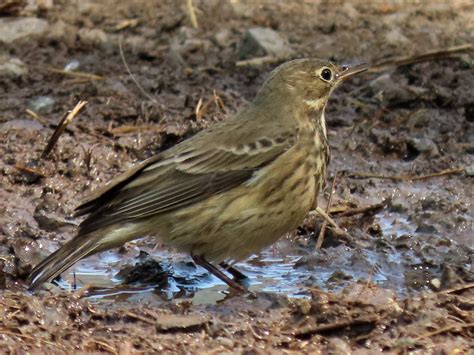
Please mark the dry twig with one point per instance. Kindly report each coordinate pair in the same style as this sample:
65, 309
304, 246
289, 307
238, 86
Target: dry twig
330, 221
425, 57
459, 288
29, 170
450, 328
139, 317
363, 175
310, 330
361, 210
67, 118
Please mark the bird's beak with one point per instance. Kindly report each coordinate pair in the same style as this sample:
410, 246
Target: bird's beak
348, 71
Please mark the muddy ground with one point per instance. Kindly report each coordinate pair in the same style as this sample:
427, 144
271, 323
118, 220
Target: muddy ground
400, 280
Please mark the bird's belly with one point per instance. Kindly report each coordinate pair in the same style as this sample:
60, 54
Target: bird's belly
233, 225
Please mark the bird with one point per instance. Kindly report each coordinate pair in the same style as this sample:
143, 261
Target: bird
226, 192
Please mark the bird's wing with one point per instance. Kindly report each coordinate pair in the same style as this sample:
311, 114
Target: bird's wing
179, 177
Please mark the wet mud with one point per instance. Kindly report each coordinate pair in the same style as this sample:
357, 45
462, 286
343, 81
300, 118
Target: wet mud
399, 278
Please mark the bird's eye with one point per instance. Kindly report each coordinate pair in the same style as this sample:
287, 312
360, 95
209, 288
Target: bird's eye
326, 74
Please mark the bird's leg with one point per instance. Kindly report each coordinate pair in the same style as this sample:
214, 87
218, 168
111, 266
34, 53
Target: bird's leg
218, 273
238, 275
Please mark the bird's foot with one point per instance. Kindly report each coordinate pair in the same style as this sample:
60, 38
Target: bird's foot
199, 260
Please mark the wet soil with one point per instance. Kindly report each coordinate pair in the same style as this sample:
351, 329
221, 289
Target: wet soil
399, 279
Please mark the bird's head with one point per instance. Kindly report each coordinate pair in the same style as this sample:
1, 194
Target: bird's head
310, 81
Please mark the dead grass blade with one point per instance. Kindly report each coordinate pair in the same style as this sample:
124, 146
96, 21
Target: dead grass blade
425, 57
192, 13
76, 74
36, 117
142, 90
257, 61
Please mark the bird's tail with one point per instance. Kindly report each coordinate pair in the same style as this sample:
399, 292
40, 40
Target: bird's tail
63, 258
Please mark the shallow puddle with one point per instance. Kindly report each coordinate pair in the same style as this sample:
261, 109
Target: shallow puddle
270, 271
283, 268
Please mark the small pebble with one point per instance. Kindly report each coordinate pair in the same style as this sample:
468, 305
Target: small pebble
470, 170
12, 67
436, 283
261, 41
228, 343
72, 65
41, 103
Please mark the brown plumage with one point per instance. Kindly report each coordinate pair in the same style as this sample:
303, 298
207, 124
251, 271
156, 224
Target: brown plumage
229, 190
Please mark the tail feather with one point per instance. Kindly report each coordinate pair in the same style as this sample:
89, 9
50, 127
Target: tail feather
63, 258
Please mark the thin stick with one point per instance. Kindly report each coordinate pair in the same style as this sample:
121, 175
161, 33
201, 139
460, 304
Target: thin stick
320, 240
192, 13
67, 118
454, 327
331, 222
362, 210
139, 317
459, 288
425, 57
309, 330
147, 95
405, 177
28, 170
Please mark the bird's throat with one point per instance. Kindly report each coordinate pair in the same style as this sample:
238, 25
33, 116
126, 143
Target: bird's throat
315, 104
315, 112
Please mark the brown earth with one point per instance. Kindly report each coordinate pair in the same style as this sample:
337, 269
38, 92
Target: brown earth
400, 280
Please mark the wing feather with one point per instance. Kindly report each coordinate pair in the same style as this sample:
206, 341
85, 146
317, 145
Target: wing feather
176, 178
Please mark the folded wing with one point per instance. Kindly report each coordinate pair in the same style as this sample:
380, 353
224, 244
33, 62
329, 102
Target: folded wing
177, 178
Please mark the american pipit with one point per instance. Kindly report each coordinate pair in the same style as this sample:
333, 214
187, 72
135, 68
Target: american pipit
227, 192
